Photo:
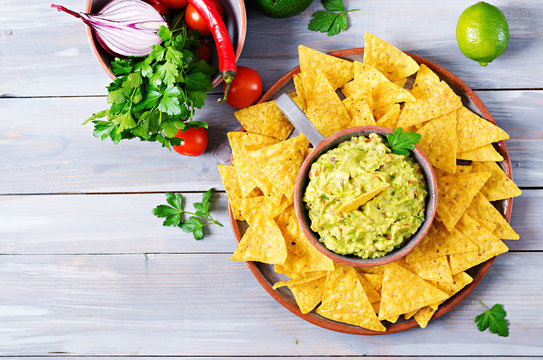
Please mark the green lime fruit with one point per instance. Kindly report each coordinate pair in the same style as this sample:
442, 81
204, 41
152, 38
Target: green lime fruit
482, 32
282, 8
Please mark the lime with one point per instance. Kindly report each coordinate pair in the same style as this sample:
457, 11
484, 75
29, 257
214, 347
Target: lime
282, 8
482, 32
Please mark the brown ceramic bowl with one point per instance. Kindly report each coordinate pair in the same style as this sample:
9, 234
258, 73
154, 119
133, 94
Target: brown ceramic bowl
265, 274
235, 20
305, 223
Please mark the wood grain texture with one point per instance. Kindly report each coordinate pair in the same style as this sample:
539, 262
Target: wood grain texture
113, 224
208, 305
50, 151
46, 53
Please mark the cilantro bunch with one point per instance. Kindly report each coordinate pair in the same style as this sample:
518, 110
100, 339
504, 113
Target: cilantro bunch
194, 224
154, 97
401, 142
333, 20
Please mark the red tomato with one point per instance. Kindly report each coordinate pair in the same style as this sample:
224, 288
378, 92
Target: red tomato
204, 52
174, 4
194, 142
195, 22
246, 88
160, 8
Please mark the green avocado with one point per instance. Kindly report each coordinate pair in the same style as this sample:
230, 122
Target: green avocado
282, 8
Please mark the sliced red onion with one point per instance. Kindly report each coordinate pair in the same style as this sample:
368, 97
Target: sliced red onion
124, 27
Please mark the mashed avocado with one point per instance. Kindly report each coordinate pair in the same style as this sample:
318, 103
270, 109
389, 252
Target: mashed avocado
355, 167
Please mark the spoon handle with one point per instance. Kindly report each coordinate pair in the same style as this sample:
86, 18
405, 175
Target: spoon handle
297, 117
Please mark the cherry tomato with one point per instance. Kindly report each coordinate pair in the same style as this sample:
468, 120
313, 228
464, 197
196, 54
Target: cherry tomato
204, 52
195, 22
194, 142
160, 8
246, 88
174, 4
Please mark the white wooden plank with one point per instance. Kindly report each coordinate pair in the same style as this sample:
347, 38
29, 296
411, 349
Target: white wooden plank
50, 151
106, 224
46, 53
206, 305
47, 143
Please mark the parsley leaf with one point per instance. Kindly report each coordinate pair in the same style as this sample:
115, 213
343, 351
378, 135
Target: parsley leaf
494, 320
401, 142
333, 20
153, 97
195, 223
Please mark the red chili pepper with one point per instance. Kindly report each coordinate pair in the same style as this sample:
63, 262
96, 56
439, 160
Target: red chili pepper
225, 50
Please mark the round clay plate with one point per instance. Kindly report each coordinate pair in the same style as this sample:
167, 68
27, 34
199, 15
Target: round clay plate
265, 274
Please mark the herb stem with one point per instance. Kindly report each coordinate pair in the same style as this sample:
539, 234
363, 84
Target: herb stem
481, 301
204, 217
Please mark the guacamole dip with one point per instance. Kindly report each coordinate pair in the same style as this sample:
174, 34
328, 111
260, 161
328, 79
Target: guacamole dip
356, 167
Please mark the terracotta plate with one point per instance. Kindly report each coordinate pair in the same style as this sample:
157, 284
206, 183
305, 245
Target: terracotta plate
267, 277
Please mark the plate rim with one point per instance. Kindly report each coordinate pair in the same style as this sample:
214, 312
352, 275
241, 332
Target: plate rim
449, 303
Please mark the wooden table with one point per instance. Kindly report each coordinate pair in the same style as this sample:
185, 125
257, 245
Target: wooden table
87, 270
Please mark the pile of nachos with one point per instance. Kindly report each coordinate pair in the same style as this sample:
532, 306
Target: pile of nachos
336, 94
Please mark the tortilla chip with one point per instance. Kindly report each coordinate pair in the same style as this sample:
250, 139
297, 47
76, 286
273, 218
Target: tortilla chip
463, 169
368, 79
300, 91
473, 131
386, 93
265, 119
410, 314
481, 208
455, 195
349, 89
390, 119
392, 319
438, 142
278, 165
371, 293
307, 292
378, 113
238, 140
251, 207
439, 242
460, 280
362, 199
302, 257
337, 71
325, 109
498, 186
401, 82
359, 110
423, 316
441, 100
483, 153
334, 277
424, 81
375, 280
404, 291
233, 191
436, 269
262, 242
389, 60
349, 304
488, 244
487, 225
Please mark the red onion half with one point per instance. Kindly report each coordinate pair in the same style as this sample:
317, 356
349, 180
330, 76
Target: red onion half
124, 27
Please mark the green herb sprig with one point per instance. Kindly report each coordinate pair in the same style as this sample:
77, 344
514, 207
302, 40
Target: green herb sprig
193, 224
153, 97
332, 21
494, 320
401, 142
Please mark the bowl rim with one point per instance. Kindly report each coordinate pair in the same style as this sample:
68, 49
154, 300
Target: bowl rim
409, 244
449, 303
216, 81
